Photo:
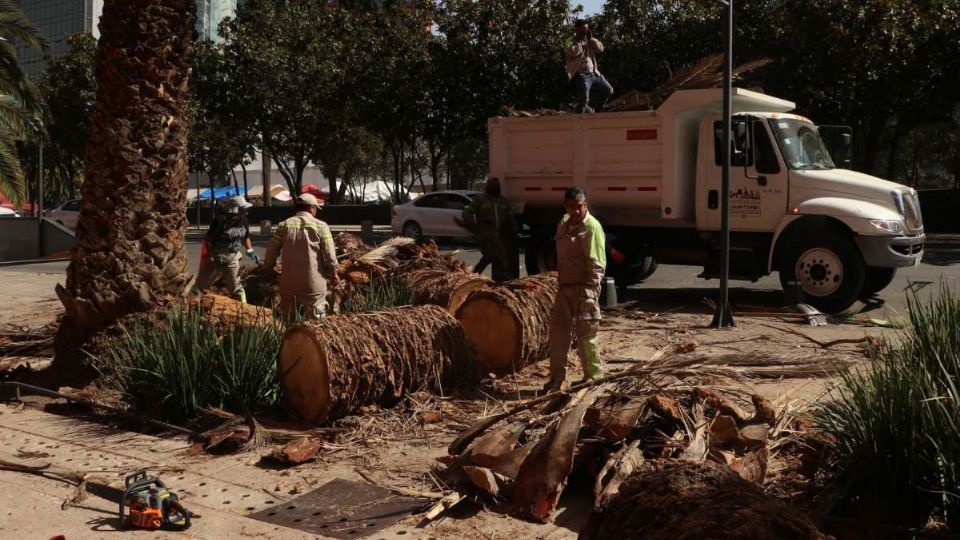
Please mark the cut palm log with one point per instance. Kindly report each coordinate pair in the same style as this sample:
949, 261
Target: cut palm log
509, 325
441, 287
330, 368
223, 312
671, 499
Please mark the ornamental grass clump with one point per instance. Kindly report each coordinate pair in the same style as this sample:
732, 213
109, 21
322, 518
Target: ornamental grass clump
897, 423
377, 296
174, 367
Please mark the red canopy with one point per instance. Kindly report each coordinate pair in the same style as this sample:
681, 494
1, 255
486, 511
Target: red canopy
312, 189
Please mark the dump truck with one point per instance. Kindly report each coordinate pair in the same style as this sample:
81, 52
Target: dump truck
653, 179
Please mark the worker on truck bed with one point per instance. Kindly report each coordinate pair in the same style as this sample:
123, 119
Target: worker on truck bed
226, 239
582, 69
581, 263
490, 218
309, 261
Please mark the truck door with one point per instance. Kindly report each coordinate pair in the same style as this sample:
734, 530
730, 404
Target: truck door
758, 180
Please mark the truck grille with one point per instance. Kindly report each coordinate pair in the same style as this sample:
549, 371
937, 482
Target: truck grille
911, 214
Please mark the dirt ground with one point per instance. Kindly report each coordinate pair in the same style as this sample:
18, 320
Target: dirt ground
397, 448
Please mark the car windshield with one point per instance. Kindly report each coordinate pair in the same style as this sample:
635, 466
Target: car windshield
801, 144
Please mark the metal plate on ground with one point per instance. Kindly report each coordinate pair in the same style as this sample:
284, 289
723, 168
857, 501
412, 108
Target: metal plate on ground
342, 509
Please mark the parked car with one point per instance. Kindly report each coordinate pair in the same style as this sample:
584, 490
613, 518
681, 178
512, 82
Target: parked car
7, 212
67, 214
432, 214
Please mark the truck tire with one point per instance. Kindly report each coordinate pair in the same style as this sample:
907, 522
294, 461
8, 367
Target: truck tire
633, 273
877, 280
829, 268
540, 255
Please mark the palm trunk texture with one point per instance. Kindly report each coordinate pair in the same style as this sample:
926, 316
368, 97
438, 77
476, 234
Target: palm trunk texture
130, 240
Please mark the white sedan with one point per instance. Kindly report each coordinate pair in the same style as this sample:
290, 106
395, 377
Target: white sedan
432, 215
67, 214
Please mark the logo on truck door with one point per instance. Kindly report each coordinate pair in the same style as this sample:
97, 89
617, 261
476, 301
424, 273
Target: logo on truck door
641, 134
745, 202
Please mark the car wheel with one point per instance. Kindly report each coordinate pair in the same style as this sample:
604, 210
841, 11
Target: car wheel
877, 280
828, 268
412, 229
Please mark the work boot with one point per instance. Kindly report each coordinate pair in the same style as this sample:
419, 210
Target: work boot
555, 385
586, 380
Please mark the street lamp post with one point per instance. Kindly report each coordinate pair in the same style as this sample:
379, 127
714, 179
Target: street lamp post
723, 317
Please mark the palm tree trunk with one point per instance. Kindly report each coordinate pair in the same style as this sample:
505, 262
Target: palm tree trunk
130, 250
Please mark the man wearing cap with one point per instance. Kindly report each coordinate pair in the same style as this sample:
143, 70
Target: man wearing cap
309, 260
227, 238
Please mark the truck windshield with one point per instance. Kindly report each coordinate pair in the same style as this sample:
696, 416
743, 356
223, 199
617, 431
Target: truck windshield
801, 145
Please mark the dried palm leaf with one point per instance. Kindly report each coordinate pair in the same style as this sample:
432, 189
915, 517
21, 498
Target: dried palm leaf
385, 250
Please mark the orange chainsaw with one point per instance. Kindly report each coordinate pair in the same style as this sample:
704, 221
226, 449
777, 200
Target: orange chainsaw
151, 505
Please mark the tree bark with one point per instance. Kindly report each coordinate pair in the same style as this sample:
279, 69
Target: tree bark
130, 238
333, 367
703, 500
509, 325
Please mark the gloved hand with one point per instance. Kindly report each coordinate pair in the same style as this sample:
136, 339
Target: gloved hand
253, 256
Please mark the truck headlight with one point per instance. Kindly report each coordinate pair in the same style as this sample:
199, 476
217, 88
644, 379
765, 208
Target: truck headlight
888, 225
898, 201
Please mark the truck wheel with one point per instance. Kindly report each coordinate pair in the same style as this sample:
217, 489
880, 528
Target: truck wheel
829, 269
634, 273
877, 280
540, 255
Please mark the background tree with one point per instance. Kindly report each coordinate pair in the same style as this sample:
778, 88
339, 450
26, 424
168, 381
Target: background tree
130, 238
221, 133
68, 89
20, 102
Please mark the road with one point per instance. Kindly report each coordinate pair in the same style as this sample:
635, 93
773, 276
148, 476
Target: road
671, 288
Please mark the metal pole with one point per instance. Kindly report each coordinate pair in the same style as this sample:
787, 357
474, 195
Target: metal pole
723, 318
40, 206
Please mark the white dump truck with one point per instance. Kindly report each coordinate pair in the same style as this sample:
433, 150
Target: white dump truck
653, 180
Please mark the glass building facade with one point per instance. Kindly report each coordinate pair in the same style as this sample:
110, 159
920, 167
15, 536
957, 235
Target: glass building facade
56, 19
210, 13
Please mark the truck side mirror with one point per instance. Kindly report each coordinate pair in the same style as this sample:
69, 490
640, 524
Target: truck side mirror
846, 145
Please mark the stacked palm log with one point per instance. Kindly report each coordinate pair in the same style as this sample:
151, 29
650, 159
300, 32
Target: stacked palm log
335, 366
509, 325
608, 431
441, 287
223, 312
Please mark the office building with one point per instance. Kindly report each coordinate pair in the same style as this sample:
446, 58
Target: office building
210, 13
56, 19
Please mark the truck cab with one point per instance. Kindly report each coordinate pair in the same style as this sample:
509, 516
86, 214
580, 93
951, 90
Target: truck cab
653, 179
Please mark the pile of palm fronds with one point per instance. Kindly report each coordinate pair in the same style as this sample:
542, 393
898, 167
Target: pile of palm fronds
707, 73
677, 406
896, 427
173, 366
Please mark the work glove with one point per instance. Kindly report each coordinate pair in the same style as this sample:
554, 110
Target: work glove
253, 256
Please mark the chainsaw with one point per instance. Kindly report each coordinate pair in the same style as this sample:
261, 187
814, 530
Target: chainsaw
151, 505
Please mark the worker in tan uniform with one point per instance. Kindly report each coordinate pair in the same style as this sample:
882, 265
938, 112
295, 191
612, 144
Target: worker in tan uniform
309, 261
581, 263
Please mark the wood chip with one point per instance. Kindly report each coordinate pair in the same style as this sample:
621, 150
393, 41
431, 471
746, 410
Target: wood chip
298, 451
483, 478
722, 404
755, 436
723, 431
764, 410
617, 468
752, 466
666, 408
614, 422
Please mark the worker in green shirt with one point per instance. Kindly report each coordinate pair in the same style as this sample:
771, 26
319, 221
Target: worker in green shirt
490, 217
581, 263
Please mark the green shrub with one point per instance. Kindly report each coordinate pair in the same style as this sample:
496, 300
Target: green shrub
897, 424
379, 295
174, 367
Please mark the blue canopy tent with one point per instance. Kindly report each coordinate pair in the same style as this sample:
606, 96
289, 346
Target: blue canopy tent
221, 193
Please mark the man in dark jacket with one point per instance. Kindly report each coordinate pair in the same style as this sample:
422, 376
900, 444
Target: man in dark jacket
490, 218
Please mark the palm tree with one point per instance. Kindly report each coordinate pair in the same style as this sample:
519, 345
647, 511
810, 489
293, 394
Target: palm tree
130, 239
20, 101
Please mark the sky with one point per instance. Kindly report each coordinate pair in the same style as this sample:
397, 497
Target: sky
590, 7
